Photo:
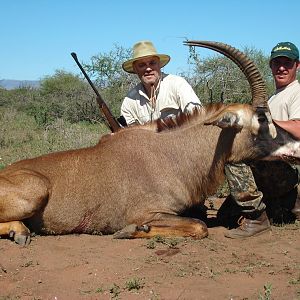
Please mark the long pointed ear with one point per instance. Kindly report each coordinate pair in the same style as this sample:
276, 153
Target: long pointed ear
264, 115
231, 116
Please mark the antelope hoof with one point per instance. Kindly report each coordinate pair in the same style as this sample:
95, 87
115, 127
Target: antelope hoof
127, 232
144, 228
22, 239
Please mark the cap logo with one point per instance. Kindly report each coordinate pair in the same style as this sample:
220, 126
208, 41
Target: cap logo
282, 48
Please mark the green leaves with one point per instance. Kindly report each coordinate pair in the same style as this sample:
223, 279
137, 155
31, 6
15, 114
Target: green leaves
217, 79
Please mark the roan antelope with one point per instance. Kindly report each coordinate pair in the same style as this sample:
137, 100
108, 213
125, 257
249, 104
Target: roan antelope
136, 183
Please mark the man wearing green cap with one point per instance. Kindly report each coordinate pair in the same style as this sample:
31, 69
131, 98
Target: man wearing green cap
158, 95
285, 103
274, 179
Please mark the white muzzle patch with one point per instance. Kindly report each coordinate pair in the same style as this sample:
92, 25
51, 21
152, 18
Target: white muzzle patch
291, 149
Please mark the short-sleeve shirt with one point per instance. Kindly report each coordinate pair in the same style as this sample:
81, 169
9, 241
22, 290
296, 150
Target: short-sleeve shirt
175, 95
285, 103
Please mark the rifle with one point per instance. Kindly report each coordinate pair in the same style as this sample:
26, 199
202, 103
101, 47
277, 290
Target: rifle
111, 122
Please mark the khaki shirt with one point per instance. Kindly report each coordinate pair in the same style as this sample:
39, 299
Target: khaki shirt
174, 95
285, 103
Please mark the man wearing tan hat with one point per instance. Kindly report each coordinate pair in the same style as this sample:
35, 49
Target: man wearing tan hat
158, 95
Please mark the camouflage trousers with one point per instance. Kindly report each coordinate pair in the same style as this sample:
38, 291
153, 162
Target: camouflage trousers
253, 185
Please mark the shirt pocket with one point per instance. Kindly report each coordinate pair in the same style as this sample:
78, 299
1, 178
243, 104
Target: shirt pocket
143, 117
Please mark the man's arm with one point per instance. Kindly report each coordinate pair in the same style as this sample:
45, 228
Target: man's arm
292, 126
126, 112
187, 96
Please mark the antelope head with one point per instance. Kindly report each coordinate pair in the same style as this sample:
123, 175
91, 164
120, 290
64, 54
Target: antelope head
258, 117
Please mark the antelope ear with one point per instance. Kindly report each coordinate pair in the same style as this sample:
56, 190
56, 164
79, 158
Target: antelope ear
226, 119
264, 117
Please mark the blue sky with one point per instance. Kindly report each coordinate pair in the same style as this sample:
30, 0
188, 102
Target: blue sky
37, 36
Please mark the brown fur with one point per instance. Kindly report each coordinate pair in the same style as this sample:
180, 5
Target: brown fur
134, 183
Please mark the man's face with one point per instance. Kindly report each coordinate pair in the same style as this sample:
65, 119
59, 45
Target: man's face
284, 70
148, 70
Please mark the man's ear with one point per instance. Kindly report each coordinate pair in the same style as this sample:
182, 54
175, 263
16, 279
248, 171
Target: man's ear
133, 67
298, 65
270, 63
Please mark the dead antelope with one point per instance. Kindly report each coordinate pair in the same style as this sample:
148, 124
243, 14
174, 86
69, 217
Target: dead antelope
136, 182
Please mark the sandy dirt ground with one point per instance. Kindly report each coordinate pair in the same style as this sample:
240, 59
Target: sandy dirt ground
100, 267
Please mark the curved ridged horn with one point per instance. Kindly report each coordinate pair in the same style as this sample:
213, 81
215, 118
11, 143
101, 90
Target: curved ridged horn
247, 66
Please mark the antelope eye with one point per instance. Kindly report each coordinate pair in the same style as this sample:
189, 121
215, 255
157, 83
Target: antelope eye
261, 118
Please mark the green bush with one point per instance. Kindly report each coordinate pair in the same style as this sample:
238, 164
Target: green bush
21, 136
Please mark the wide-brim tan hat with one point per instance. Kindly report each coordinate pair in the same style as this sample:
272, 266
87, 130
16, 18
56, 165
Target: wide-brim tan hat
141, 50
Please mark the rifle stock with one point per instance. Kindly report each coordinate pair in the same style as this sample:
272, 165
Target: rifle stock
111, 121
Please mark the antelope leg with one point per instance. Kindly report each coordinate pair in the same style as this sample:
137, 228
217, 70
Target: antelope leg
23, 193
17, 230
167, 226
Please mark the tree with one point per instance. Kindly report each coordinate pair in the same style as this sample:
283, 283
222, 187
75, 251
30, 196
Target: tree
106, 71
217, 78
62, 83
64, 95
18, 98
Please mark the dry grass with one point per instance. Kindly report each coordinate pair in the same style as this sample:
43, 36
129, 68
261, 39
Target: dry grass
21, 137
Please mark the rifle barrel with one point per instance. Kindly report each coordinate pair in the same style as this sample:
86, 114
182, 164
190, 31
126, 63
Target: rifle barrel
85, 75
113, 124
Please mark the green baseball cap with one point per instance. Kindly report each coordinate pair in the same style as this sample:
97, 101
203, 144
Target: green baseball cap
286, 49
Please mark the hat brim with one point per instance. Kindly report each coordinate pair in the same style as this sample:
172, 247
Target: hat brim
128, 65
285, 54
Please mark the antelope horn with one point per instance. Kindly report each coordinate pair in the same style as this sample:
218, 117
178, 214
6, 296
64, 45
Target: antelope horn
247, 66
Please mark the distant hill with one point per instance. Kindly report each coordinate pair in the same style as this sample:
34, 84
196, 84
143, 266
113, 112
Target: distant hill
9, 84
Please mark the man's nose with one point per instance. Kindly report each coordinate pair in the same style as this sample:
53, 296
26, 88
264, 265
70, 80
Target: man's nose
149, 68
281, 67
